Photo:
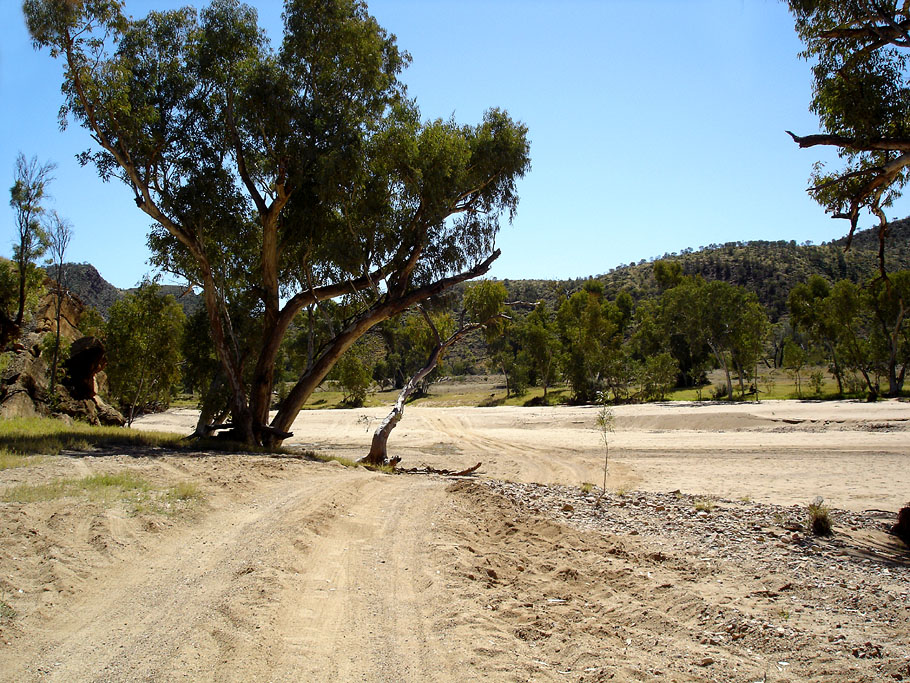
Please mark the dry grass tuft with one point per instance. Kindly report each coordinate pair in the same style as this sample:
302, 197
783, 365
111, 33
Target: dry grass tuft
819, 519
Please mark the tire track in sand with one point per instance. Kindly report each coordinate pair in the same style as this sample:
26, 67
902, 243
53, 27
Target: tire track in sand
320, 578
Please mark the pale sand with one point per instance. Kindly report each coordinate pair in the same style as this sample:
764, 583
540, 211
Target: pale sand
854, 454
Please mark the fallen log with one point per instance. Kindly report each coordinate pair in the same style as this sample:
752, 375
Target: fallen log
447, 473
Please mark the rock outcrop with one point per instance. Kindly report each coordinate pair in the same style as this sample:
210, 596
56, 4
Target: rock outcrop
25, 386
25, 380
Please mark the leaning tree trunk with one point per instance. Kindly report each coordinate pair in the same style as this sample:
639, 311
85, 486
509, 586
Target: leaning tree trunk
378, 454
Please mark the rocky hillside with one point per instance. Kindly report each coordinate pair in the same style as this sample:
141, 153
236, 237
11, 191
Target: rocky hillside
770, 269
84, 280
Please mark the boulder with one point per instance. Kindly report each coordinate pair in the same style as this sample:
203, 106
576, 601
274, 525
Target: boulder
71, 310
902, 528
108, 415
18, 404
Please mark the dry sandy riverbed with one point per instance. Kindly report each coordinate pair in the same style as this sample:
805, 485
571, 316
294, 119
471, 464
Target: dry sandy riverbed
855, 455
291, 570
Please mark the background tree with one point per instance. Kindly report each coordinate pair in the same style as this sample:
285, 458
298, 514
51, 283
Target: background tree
849, 317
353, 374
717, 316
294, 175
656, 375
59, 233
890, 304
143, 345
541, 342
795, 359
862, 98
810, 310
590, 333
27, 195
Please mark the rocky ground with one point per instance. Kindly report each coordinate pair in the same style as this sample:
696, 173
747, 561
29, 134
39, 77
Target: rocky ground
737, 591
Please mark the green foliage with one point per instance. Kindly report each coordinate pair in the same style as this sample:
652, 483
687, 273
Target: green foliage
353, 375
795, 359
657, 375
143, 345
48, 343
606, 425
817, 381
668, 274
540, 339
861, 95
281, 178
91, 323
590, 335
483, 301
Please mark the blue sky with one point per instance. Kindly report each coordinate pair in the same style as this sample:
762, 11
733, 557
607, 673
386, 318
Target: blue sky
655, 126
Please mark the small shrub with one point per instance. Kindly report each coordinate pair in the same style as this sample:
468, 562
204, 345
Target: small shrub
704, 505
817, 381
819, 520
606, 425
767, 383
586, 487
184, 490
7, 613
621, 492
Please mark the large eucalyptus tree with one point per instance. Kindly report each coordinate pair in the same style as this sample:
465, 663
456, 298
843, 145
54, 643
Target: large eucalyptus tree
283, 176
861, 94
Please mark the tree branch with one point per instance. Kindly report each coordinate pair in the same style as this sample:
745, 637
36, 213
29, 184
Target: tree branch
855, 144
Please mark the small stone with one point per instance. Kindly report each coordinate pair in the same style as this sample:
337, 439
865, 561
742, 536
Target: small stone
706, 661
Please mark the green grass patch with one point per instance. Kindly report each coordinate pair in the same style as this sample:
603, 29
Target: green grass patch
47, 436
704, 505
350, 462
100, 487
10, 460
126, 488
341, 460
184, 490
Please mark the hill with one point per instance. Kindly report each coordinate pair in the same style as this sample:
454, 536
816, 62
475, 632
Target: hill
84, 280
770, 269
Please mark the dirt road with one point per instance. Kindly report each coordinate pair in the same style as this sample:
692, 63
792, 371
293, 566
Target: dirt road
322, 576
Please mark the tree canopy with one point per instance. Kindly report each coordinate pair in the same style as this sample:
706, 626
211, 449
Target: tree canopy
861, 95
143, 338
280, 178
